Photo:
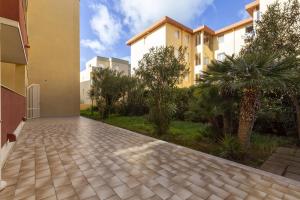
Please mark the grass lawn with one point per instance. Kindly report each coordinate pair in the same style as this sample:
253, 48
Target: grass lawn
196, 136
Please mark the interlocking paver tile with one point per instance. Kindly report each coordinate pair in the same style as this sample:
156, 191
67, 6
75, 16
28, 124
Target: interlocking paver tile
124, 191
77, 158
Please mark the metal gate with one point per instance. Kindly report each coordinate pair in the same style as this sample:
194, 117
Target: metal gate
33, 101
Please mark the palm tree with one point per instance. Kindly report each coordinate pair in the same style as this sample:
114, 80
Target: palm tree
250, 74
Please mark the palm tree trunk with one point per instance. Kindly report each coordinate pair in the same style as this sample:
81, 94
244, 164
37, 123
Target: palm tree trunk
248, 107
296, 103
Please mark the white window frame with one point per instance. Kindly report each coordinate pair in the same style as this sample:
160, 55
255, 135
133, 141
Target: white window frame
177, 34
221, 39
187, 38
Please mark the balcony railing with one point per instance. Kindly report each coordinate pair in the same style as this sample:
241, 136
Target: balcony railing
12, 112
15, 10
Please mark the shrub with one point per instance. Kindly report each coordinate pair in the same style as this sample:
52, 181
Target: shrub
230, 148
136, 99
182, 97
267, 144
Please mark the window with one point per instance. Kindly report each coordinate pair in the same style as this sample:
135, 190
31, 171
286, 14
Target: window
221, 56
206, 39
206, 61
198, 59
144, 40
258, 15
177, 34
249, 29
198, 39
187, 38
221, 39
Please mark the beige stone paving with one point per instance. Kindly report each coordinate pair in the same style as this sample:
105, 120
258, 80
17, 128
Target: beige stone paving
285, 162
78, 158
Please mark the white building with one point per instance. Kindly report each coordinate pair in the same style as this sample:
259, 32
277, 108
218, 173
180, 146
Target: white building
203, 44
99, 62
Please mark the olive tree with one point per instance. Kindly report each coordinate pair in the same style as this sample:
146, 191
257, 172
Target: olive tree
161, 70
107, 89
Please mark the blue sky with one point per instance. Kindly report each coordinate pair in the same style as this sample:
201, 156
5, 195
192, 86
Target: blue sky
106, 25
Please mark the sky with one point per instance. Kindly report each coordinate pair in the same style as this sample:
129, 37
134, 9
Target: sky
106, 25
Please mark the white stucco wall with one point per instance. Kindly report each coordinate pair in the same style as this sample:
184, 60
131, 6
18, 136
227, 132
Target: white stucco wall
142, 46
121, 67
112, 63
233, 42
85, 75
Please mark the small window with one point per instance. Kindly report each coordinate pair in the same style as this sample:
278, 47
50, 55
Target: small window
144, 40
221, 39
249, 29
221, 56
177, 34
198, 59
198, 39
206, 61
187, 38
258, 15
206, 39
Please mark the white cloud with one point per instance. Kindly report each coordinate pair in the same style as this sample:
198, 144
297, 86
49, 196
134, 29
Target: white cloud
138, 14
105, 25
243, 14
93, 45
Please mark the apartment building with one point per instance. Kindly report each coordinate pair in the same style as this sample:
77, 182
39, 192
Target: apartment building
203, 44
98, 62
13, 76
36, 62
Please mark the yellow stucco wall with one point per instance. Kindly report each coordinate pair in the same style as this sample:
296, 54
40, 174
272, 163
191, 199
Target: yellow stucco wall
53, 29
13, 77
8, 75
171, 40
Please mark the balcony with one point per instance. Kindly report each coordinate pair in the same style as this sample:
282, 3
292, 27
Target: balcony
13, 31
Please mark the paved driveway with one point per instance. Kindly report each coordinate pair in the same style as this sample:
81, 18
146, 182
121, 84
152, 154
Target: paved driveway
77, 158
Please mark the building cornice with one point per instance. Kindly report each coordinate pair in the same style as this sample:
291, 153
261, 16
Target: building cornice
168, 20
234, 26
252, 6
163, 21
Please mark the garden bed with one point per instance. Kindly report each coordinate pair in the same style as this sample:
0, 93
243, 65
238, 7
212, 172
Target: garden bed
198, 136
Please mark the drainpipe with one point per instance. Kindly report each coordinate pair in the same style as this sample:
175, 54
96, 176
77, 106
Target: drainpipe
2, 183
